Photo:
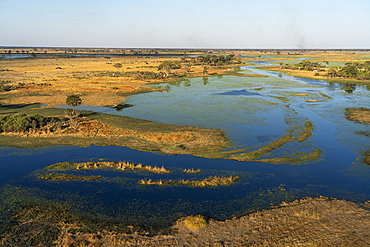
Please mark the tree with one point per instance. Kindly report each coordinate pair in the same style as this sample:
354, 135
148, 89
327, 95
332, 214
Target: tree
117, 66
205, 70
73, 100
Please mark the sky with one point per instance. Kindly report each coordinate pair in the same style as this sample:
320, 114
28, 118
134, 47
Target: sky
229, 24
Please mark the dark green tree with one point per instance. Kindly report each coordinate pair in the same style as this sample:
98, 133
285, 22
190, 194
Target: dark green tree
73, 100
117, 66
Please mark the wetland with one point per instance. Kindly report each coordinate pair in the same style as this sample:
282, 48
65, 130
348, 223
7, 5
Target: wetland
223, 143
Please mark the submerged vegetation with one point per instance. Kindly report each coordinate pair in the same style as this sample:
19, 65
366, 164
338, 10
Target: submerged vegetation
207, 182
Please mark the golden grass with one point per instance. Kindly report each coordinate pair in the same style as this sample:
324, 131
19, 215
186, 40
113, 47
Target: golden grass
207, 182
191, 170
121, 165
51, 80
361, 115
195, 222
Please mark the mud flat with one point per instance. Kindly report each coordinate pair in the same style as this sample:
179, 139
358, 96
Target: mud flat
307, 222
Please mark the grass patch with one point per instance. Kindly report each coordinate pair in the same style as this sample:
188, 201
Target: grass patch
195, 222
207, 182
67, 177
121, 165
249, 156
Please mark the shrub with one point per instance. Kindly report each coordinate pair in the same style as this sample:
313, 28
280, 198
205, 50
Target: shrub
195, 222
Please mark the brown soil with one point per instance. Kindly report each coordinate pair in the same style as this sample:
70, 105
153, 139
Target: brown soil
361, 115
306, 222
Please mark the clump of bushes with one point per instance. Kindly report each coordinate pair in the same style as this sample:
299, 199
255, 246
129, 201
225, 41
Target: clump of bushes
21, 122
28, 123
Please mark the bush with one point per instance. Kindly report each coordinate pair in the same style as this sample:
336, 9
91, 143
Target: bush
195, 222
21, 122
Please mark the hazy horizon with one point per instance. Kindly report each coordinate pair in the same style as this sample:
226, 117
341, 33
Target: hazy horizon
166, 24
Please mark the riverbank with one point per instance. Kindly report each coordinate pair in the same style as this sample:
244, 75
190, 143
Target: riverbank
310, 221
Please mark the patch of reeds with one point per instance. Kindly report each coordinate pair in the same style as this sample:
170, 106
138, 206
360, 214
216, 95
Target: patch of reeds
207, 182
120, 165
191, 170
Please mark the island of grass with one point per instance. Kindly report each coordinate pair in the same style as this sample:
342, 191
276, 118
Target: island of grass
361, 115
120, 165
207, 182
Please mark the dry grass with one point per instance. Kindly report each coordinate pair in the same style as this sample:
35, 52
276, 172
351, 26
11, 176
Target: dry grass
361, 115
121, 165
196, 222
207, 182
51, 80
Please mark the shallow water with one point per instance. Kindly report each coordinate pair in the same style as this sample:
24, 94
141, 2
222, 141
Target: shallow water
252, 111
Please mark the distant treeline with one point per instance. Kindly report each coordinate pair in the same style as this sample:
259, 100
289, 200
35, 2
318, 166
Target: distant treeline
359, 71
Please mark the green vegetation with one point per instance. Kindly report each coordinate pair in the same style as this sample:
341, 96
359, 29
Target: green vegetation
354, 71
214, 60
358, 71
22, 123
207, 182
67, 177
42, 224
73, 100
257, 153
304, 65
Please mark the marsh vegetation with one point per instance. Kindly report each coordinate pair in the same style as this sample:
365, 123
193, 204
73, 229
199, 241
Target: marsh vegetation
207, 182
120, 165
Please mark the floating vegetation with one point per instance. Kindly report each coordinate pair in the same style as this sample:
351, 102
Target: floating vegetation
67, 177
121, 165
207, 182
195, 222
191, 170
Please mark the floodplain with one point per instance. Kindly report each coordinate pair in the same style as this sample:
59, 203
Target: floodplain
158, 138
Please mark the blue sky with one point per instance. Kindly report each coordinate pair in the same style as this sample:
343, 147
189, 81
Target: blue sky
186, 24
